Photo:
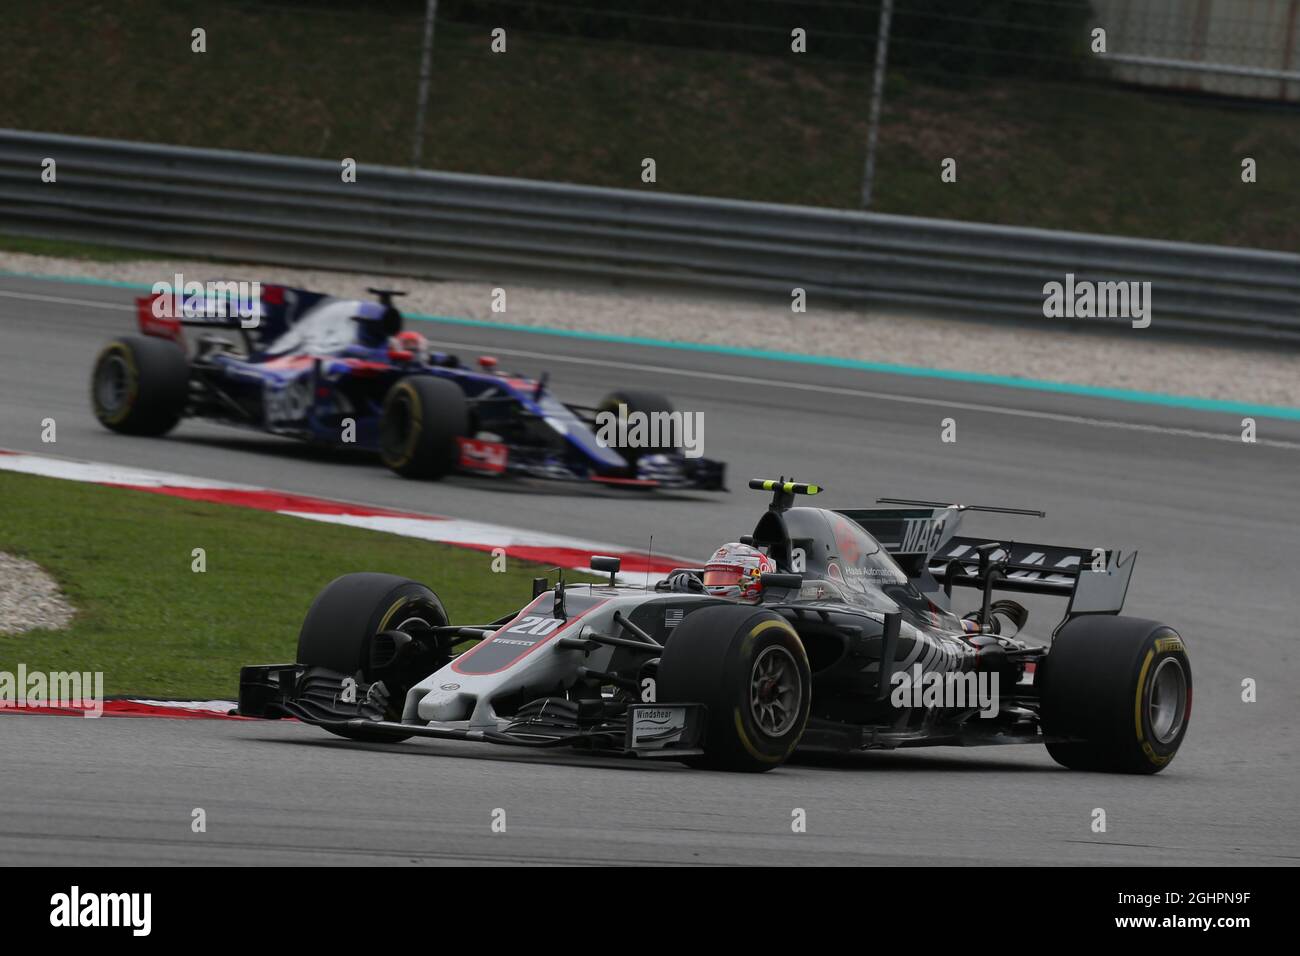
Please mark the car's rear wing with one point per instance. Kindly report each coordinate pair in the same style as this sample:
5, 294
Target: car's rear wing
923, 541
225, 305
1032, 568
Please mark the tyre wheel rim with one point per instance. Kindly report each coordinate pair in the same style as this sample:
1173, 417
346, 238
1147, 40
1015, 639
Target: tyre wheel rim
111, 384
775, 692
416, 621
1168, 703
395, 428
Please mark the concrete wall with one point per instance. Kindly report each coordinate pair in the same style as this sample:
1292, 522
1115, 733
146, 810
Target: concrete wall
1226, 34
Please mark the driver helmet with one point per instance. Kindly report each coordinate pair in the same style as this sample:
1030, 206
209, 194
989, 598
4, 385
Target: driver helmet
736, 570
413, 342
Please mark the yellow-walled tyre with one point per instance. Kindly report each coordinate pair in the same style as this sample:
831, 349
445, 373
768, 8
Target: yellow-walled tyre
749, 668
140, 385
1116, 694
422, 418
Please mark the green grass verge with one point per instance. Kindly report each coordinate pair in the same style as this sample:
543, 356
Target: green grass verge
305, 81
155, 627
71, 250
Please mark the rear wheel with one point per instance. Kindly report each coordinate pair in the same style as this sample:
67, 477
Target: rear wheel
749, 668
336, 637
422, 418
140, 385
1120, 690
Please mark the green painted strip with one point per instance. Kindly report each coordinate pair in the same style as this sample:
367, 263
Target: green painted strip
912, 371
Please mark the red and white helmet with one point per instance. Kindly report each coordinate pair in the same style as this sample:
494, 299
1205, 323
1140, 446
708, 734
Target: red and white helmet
413, 342
736, 570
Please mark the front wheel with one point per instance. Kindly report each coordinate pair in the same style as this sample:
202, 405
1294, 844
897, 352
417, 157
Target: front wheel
1116, 695
336, 642
749, 668
421, 420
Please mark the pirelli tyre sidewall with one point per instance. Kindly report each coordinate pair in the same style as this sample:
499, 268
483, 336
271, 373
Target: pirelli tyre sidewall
1116, 694
421, 420
718, 656
349, 611
139, 385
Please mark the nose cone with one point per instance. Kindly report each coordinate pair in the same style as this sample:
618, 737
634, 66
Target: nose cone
441, 704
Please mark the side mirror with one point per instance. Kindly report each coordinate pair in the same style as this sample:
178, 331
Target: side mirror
606, 565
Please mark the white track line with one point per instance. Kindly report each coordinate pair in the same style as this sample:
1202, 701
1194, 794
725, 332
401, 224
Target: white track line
1234, 437
879, 396
61, 300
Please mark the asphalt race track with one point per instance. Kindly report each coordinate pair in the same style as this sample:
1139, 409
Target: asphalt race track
1214, 519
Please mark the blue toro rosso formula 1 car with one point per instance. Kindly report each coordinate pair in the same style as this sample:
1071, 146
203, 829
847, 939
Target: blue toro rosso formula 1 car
345, 373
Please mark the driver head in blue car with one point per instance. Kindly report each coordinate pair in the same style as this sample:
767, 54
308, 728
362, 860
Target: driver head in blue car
736, 570
414, 343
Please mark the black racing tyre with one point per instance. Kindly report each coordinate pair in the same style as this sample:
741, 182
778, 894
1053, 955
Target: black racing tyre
139, 385
349, 611
638, 401
1120, 688
749, 668
421, 420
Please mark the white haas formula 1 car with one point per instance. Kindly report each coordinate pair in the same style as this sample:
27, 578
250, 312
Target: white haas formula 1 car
676, 672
